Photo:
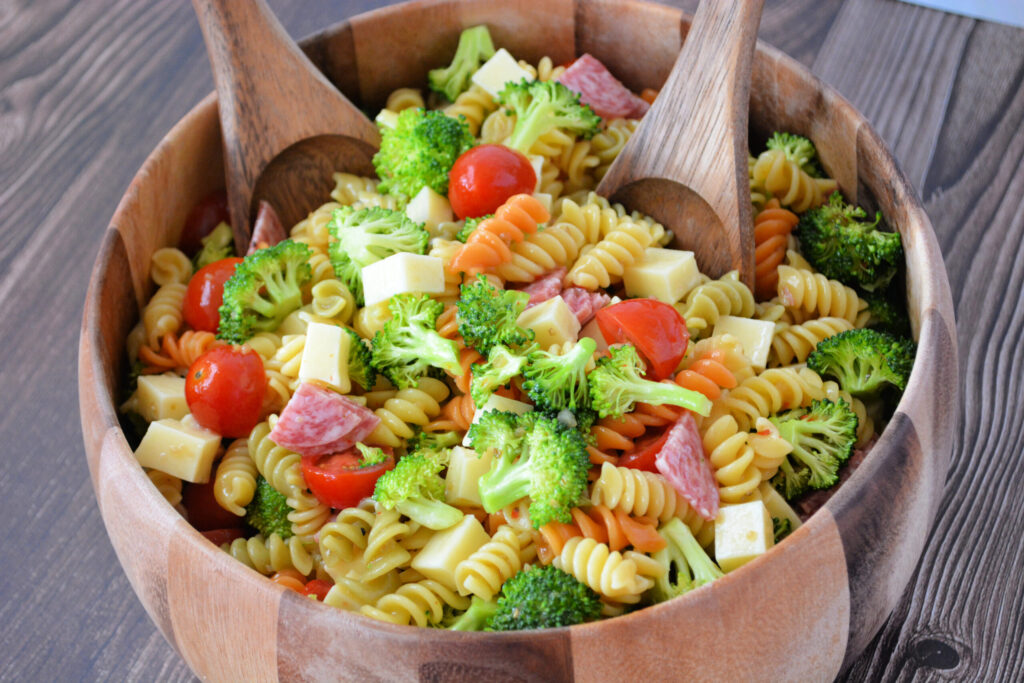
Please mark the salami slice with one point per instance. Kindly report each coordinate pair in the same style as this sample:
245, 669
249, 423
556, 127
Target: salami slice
318, 421
268, 230
682, 461
547, 287
583, 303
605, 94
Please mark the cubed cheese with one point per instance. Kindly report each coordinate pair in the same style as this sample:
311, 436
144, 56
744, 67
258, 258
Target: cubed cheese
500, 69
429, 208
495, 402
742, 532
462, 481
184, 450
537, 161
552, 322
593, 331
325, 356
445, 549
161, 397
400, 274
777, 505
755, 336
387, 118
663, 274
545, 199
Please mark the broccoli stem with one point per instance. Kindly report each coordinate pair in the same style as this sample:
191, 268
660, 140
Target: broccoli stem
476, 617
504, 485
432, 514
666, 393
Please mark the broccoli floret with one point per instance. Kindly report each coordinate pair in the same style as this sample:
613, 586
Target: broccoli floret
409, 345
475, 47
419, 152
559, 382
416, 489
799, 150
369, 235
433, 441
617, 384
822, 437
265, 288
542, 106
219, 244
686, 564
544, 597
838, 240
502, 365
360, 368
268, 510
864, 361
782, 528
487, 317
885, 313
469, 226
537, 456
372, 455
476, 618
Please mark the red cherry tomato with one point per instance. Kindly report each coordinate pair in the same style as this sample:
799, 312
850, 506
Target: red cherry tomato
338, 480
211, 211
225, 388
219, 537
653, 327
485, 176
644, 451
204, 512
317, 587
205, 294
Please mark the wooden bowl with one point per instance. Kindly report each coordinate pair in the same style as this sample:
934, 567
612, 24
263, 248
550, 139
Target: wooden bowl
801, 612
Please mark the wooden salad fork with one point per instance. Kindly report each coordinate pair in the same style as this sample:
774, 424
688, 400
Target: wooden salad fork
686, 164
286, 128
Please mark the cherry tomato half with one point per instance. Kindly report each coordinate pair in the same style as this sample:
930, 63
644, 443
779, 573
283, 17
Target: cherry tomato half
224, 389
205, 294
653, 327
211, 211
338, 480
485, 176
317, 587
219, 537
204, 512
644, 451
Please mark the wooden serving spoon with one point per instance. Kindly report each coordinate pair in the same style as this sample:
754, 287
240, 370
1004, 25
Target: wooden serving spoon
286, 128
686, 165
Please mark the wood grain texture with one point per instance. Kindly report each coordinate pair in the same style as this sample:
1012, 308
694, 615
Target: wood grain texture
87, 90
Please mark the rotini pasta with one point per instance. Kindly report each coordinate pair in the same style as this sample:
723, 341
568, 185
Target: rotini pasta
168, 485
610, 573
163, 314
412, 406
773, 173
711, 300
235, 481
793, 343
170, 266
607, 260
177, 352
488, 245
483, 572
772, 227
272, 554
732, 460
815, 294
473, 105
421, 603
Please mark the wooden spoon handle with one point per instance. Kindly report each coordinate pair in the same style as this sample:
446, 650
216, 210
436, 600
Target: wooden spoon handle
270, 96
696, 131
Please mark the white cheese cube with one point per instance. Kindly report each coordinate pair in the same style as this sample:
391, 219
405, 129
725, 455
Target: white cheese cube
545, 199
400, 274
742, 532
462, 481
552, 322
179, 449
325, 356
161, 397
500, 69
755, 336
495, 402
429, 208
777, 506
445, 549
386, 119
663, 274
537, 161
593, 331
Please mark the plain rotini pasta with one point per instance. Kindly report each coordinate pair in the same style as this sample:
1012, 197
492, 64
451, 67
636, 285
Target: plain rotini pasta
312, 230
421, 603
177, 352
168, 485
332, 299
815, 294
793, 343
234, 483
659, 235
352, 593
608, 143
383, 553
774, 390
769, 448
369, 320
607, 572
405, 98
639, 493
413, 406
710, 301
775, 175
473, 105
169, 266
342, 541
543, 251
732, 460
605, 262
350, 188
272, 554
163, 314
497, 127
483, 573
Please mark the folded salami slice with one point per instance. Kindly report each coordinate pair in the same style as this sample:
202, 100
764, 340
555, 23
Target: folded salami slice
268, 230
547, 287
682, 461
583, 303
605, 94
318, 421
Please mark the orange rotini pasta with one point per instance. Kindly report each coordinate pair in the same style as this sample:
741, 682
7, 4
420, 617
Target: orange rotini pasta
488, 245
772, 227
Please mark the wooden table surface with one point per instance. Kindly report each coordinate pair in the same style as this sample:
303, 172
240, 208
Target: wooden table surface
88, 88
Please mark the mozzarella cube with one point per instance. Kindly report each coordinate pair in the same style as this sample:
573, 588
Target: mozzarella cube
755, 336
430, 209
179, 449
495, 402
462, 481
593, 330
161, 397
537, 161
777, 506
742, 532
552, 322
663, 274
545, 199
401, 274
325, 356
500, 69
445, 549
386, 119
